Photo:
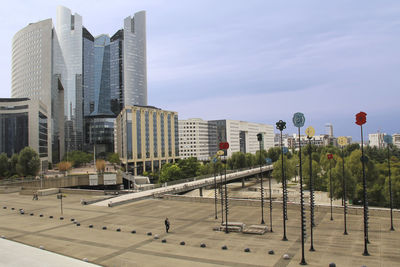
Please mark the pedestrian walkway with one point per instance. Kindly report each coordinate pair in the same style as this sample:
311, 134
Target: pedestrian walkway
177, 188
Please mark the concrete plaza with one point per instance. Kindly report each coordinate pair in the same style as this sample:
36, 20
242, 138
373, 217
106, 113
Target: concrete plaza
191, 222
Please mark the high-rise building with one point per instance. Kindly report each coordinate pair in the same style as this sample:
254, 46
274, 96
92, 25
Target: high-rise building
83, 80
146, 138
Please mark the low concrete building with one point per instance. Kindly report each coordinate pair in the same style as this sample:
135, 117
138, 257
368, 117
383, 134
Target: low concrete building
146, 138
24, 122
396, 139
376, 139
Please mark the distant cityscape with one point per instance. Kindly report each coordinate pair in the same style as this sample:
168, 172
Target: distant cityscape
73, 91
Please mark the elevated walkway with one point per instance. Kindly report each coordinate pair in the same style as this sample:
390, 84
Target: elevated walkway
181, 187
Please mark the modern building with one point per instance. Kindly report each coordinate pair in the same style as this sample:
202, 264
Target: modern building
396, 139
376, 140
24, 122
80, 78
197, 138
317, 140
32, 77
242, 135
146, 138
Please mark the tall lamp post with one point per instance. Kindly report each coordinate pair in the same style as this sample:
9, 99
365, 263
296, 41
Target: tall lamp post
388, 140
310, 131
361, 118
220, 153
330, 158
269, 161
215, 159
342, 142
260, 138
281, 125
298, 121
224, 146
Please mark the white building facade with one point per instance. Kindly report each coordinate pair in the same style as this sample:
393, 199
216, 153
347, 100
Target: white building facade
197, 138
376, 139
242, 135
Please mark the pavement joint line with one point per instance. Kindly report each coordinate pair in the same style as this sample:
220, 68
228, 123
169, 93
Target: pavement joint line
194, 259
294, 248
144, 242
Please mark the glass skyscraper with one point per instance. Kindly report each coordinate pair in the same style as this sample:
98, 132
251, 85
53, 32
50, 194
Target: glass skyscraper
85, 81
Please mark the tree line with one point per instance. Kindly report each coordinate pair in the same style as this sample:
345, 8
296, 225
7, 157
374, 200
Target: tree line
25, 163
376, 172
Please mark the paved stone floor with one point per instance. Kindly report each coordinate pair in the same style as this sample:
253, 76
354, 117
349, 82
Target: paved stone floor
190, 222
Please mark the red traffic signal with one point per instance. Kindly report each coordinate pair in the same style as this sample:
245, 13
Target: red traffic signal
361, 118
330, 156
223, 145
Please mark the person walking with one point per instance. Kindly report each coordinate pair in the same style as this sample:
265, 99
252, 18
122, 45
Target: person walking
166, 224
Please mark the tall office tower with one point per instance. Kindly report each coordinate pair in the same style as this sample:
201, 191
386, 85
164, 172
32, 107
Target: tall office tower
134, 56
84, 81
32, 73
329, 129
67, 67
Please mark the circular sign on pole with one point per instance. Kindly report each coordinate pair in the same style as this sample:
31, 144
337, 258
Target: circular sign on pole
223, 145
361, 118
215, 159
388, 139
220, 152
310, 131
330, 156
299, 119
342, 141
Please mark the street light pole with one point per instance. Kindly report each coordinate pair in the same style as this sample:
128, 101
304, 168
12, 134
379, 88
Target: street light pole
281, 125
330, 181
388, 141
259, 138
361, 118
310, 133
344, 195
298, 121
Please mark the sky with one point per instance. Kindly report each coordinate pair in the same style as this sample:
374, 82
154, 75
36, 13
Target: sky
258, 60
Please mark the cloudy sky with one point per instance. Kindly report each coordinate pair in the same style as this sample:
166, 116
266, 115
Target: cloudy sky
257, 60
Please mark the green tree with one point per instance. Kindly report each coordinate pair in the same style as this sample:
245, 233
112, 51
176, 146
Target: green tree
28, 162
237, 160
170, 172
78, 158
190, 167
4, 165
113, 158
13, 164
289, 166
250, 159
274, 153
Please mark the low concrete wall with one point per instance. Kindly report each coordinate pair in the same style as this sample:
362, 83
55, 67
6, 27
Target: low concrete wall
9, 189
49, 191
82, 192
356, 210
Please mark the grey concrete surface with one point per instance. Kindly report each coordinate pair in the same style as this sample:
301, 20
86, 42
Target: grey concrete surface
191, 222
